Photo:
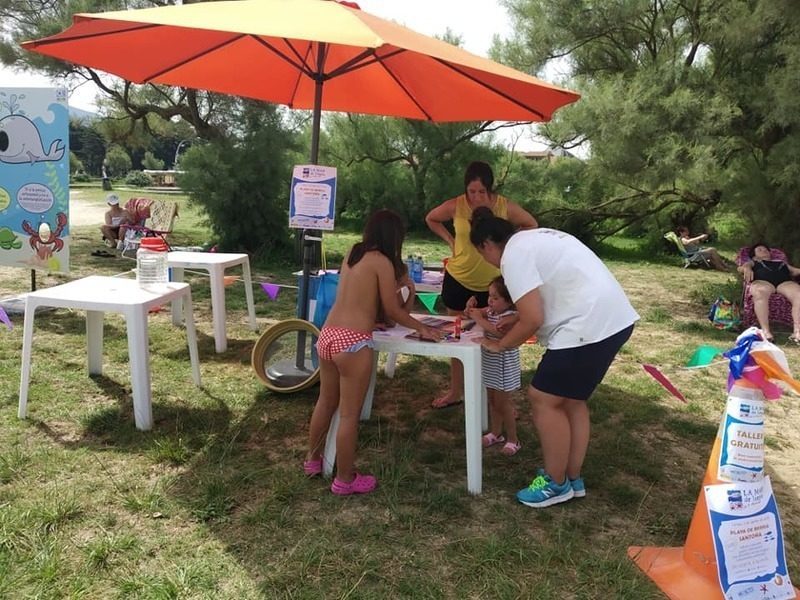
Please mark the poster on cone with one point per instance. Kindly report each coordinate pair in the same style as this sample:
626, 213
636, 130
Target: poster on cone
748, 541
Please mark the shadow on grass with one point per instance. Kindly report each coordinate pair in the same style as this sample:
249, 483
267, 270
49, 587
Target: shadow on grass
247, 487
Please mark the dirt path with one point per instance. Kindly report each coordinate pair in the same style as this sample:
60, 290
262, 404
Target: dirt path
83, 212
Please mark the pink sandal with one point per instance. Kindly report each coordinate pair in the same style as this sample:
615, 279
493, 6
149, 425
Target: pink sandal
312, 468
491, 439
511, 448
361, 484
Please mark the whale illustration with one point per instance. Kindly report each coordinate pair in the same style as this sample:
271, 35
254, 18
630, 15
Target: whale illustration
20, 142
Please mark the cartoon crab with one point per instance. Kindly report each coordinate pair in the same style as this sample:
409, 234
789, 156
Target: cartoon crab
42, 240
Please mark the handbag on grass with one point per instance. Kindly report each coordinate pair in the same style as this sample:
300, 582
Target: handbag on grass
725, 314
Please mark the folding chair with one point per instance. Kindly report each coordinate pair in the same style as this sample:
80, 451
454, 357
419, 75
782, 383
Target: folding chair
151, 218
690, 259
780, 309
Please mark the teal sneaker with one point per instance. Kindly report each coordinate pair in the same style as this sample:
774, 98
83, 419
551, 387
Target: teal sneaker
578, 488
543, 492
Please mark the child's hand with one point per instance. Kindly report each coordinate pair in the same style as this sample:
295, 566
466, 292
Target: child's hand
473, 313
471, 303
506, 323
430, 333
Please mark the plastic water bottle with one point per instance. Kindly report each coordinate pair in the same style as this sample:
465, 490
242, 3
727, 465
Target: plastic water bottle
151, 262
416, 273
410, 265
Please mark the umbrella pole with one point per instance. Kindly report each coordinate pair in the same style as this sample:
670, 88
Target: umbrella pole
311, 237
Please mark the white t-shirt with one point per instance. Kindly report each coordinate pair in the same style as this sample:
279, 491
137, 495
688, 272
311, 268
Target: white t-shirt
582, 301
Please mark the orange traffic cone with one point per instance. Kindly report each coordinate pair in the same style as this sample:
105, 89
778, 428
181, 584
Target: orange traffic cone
690, 572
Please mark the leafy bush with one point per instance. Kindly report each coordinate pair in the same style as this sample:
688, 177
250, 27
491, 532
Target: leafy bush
138, 179
151, 162
117, 161
80, 177
75, 164
242, 185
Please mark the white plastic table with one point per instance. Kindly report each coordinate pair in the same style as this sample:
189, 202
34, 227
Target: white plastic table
468, 351
431, 283
98, 295
215, 264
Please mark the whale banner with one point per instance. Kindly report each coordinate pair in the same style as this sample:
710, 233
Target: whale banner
34, 178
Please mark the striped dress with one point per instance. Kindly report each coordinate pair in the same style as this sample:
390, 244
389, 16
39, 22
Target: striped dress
501, 370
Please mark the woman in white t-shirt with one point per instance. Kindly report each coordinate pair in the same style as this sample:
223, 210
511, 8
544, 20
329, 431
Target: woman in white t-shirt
566, 296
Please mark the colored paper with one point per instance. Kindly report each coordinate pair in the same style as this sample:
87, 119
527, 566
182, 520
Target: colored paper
4, 319
429, 300
703, 356
662, 379
271, 290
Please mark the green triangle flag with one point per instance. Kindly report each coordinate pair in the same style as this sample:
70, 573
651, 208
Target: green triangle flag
703, 356
429, 300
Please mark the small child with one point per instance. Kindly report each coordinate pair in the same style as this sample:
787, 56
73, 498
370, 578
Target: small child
501, 370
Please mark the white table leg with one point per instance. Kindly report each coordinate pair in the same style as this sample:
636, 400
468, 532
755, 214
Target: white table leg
248, 293
329, 455
94, 341
27, 342
366, 408
218, 307
191, 338
391, 364
473, 399
177, 311
139, 354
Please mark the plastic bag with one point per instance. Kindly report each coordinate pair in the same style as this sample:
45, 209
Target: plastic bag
725, 314
326, 296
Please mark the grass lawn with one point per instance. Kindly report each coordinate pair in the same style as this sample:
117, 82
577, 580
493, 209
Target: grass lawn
212, 503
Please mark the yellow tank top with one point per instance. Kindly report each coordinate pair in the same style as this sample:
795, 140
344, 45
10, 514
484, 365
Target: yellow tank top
467, 266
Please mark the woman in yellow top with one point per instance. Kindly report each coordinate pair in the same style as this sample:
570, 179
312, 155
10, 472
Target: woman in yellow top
466, 274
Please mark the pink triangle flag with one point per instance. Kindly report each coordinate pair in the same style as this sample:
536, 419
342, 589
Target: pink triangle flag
4, 319
271, 290
662, 379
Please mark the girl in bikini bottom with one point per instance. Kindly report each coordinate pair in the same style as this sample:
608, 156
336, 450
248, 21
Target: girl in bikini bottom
334, 340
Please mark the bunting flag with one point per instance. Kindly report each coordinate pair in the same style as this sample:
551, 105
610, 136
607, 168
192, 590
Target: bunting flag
271, 290
703, 356
429, 300
761, 362
4, 319
229, 279
662, 379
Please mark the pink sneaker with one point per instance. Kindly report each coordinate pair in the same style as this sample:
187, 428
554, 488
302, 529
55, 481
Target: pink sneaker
361, 484
312, 467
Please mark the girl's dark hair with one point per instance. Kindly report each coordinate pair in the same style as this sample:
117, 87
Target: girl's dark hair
752, 251
481, 171
500, 283
486, 226
383, 232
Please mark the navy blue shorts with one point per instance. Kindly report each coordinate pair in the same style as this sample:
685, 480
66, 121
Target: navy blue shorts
455, 295
576, 372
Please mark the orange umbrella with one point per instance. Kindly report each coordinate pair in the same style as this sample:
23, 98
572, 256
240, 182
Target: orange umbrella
307, 54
